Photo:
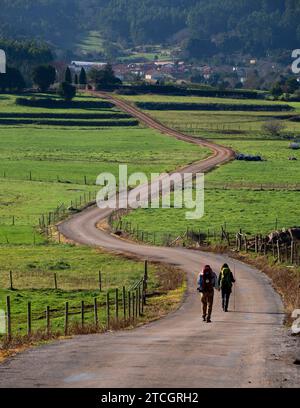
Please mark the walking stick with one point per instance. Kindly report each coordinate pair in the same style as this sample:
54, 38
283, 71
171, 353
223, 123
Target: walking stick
234, 287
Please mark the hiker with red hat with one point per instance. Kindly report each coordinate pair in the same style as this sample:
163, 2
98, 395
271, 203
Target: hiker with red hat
207, 282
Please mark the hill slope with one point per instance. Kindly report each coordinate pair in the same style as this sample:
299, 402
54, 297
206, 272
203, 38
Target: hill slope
227, 26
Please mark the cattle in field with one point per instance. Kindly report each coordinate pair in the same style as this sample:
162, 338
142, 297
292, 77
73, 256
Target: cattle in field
285, 236
294, 233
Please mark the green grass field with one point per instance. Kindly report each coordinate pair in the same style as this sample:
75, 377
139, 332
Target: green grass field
91, 43
61, 161
42, 167
77, 271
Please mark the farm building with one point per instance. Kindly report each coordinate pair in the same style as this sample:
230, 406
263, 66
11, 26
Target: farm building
77, 65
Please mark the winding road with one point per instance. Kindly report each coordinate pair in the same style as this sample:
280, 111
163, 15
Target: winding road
242, 348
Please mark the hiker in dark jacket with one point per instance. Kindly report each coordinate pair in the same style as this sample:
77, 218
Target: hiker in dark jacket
226, 280
207, 282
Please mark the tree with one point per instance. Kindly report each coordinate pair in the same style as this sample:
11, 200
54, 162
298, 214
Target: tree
43, 76
276, 90
102, 78
273, 127
291, 85
67, 91
82, 77
76, 79
13, 80
68, 75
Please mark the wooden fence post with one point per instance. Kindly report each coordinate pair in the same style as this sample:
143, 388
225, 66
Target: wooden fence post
136, 303
100, 281
66, 318
246, 243
8, 317
96, 321
11, 280
117, 304
82, 314
29, 318
292, 252
146, 270
129, 305
278, 252
48, 320
139, 294
124, 302
55, 281
133, 306
107, 311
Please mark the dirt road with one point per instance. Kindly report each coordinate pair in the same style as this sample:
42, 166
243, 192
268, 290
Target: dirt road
240, 348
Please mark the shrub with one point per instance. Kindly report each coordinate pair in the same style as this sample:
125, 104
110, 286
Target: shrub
273, 127
67, 91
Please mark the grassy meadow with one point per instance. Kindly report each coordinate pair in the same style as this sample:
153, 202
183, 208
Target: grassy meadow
43, 166
77, 272
254, 196
64, 162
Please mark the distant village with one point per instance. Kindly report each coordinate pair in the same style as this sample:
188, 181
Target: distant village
249, 74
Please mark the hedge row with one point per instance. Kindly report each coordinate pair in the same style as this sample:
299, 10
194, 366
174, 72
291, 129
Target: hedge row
180, 91
57, 103
212, 107
65, 115
103, 123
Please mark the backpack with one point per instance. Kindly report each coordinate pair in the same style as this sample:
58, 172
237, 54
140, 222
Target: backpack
207, 283
226, 278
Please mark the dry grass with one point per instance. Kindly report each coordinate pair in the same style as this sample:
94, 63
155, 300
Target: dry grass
285, 280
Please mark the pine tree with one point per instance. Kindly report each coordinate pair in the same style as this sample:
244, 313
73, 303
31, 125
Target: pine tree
68, 75
82, 77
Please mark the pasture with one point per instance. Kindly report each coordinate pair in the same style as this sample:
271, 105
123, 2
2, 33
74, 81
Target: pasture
254, 196
77, 273
42, 167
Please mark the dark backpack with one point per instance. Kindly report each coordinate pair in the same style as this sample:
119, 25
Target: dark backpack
207, 284
226, 278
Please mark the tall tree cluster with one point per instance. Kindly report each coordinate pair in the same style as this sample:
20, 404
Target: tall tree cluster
203, 26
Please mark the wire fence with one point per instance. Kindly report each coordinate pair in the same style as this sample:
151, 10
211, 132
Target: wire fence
114, 308
283, 244
35, 177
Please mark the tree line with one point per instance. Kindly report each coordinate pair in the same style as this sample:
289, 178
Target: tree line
45, 75
203, 28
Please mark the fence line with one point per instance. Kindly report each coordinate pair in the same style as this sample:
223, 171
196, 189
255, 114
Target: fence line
29, 176
132, 303
287, 251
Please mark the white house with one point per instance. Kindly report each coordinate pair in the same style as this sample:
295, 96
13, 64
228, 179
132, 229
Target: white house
77, 65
